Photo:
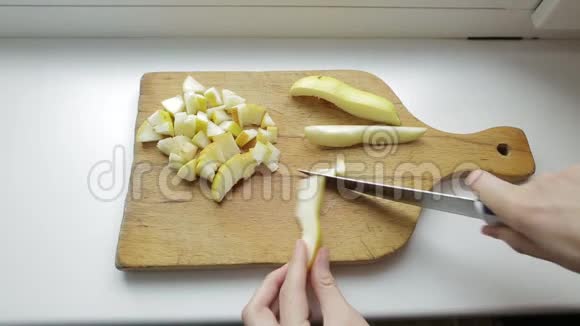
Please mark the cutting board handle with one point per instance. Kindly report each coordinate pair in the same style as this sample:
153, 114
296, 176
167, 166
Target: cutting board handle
503, 151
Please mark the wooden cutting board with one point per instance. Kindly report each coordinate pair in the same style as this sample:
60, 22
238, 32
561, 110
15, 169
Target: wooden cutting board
169, 224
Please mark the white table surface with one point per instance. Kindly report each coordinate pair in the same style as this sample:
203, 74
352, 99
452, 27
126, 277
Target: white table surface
66, 103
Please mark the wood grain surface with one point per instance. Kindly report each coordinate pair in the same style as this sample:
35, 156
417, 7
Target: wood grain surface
169, 224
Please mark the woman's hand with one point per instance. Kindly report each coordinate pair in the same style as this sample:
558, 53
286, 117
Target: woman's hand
281, 299
541, 217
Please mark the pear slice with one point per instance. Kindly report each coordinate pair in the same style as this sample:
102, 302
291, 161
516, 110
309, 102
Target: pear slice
344, 136
220, 116
192, 85
248, 114
185, 124
174, 104
352, 100
187, 171
213, 97
309, 203
246, 136
232, 127
201, 122
159, 117
146, 133
231, 99
200, 139
267, 121
213, 130
194, 102
239, 166
165, 128
268, 136
340, 167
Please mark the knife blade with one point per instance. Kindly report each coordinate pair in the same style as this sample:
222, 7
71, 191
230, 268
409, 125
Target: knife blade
471, 207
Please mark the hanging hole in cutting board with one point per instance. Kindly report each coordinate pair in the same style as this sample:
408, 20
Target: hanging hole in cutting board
503, 149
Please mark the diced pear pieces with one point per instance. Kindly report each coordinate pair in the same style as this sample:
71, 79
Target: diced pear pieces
231, 99
216, 153
239, 166
201, 122
146, 133
248, 114
232, 127
200, 139
161, 122
213, 97
185, 124
246, 136
192, 85
220, 116
267, 121
174, 104
194, 102
165, 128
187, 171
269, 135
213, 130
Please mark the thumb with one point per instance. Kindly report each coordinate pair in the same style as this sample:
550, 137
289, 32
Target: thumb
498, 195
324, 285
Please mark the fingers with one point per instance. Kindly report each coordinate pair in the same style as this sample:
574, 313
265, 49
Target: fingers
497, 194
268, 291
517, 241
257, 311
324, 285
293, 300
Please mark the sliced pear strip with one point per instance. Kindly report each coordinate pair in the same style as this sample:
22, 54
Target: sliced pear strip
340, 167
200, 139
192, 85
213, 130
146, 133
194, 102
352, 100
220, 116
213, 97
165, 128
232, 127
267, 121
344, 136
231, 99
174, 104
309, 203
248, 114
239, 166
246, 136
159, 117
187, 171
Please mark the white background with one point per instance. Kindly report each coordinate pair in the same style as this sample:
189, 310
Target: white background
66, 103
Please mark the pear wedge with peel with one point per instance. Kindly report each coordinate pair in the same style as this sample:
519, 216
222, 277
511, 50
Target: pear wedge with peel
213, 130
248, 114
200, 139
309, 203
246, 136
165, 128
146, 133
270, 135
238, 167
232, 127
345, 135
194, 102
187, 171
231, 99
201, 122
352, 100
213, 97
159, 117
220, 116
185, 124
267, 121
174, 104
192, 85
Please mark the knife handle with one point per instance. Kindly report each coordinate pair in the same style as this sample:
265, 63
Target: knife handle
486, 214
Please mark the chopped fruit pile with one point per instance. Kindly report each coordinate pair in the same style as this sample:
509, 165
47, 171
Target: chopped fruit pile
204, 133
